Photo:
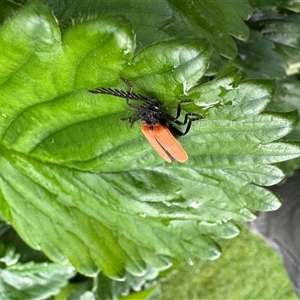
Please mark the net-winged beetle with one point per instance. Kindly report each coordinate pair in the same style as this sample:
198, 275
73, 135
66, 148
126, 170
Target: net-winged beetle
158, 125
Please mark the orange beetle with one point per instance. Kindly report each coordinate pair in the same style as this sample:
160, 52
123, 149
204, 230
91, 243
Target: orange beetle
157, 124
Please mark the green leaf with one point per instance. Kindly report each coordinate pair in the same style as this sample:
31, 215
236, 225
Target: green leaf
25, 253
292, 6
8, 255
9, 8
82, 186
273, 46
29, 280
111, 289
287, 99
147, 294
76, 60
272, 50
276, 31
274, 5
215, 20
157, 21
33, 281
171, 63
258, 57
274, 43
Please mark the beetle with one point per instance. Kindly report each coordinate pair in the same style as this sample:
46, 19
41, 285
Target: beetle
158, 125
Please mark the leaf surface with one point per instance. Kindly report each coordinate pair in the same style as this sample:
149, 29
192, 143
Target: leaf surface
157, 21
74, 175
33, 281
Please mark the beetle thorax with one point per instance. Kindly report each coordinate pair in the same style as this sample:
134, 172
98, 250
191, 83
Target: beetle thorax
150, 112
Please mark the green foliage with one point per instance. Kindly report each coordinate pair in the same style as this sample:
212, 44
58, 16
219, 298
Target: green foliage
33, 280
81, 185
275, 25
28, 280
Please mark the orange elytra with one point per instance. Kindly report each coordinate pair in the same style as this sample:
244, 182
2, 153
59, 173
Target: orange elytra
164, 142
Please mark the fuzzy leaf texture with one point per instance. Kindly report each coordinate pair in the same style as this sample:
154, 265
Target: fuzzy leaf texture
155, 21
272, 51
31, 280
82, 186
